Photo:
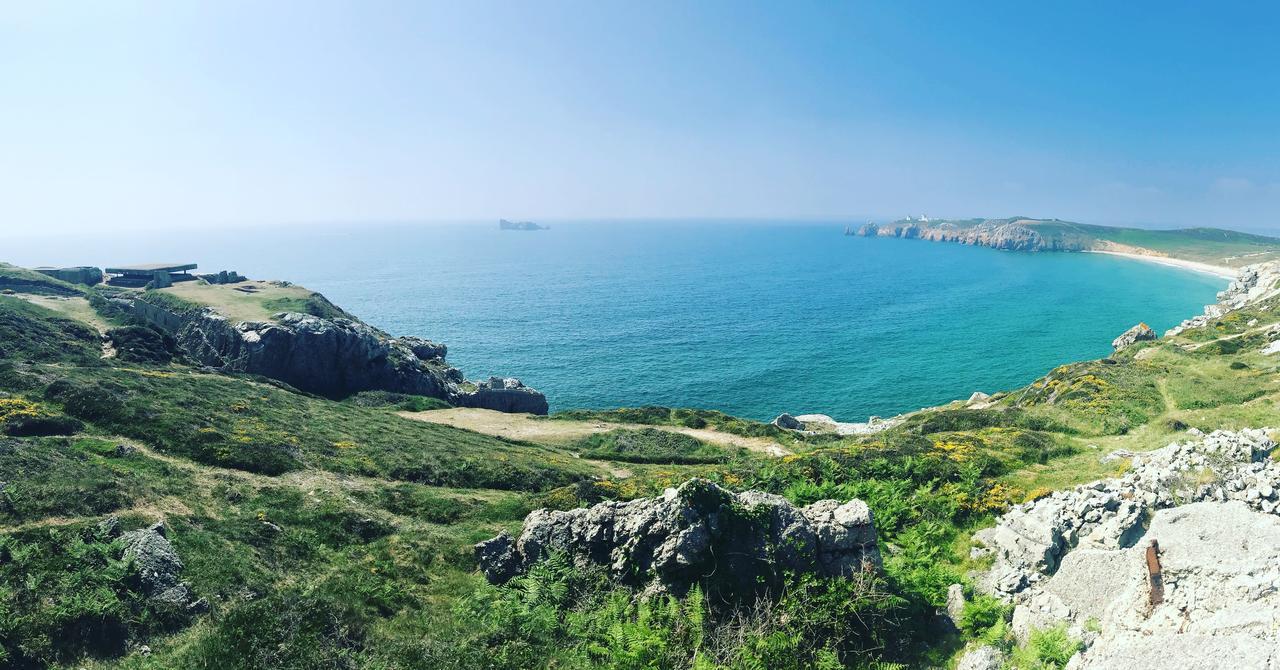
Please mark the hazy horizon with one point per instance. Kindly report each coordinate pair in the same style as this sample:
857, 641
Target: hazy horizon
147, 115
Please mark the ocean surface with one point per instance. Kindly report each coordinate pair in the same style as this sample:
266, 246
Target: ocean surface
751, 318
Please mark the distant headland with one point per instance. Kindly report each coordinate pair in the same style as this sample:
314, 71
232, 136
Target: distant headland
504, 224
1211, 250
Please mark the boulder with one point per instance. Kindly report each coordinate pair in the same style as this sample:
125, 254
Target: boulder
741, 541
157, 566
1139, 333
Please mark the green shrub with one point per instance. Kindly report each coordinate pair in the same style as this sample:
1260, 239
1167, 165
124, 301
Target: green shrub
35, 334
67, 595
143, 344
690, 418
398, 401
1045, 649
982, 613
649, 445
285, 631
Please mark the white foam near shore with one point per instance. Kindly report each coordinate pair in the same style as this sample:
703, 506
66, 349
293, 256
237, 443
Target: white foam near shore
1196, 266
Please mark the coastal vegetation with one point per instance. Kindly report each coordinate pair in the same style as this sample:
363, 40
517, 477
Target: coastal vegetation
338, 533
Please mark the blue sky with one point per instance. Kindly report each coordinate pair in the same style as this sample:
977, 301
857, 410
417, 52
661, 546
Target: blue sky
123, 115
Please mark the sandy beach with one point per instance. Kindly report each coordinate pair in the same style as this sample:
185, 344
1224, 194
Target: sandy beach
1208, 268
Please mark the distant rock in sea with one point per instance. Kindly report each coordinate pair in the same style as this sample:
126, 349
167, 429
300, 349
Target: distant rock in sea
504, 224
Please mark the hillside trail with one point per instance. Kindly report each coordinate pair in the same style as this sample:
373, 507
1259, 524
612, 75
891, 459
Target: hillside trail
526, 427
1224, 338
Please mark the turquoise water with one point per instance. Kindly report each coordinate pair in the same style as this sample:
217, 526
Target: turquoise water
750, 318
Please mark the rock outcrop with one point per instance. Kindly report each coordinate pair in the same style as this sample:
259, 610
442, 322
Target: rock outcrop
157, 567
504, 394
1221, 593
1031, 539
1016, 234
333, 357
1208, 512
1139, 333
1254, 284
743, 541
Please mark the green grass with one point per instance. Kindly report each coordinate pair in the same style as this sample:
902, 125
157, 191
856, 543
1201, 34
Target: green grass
666, 416
29, 333
262, 304
649, 445
22, 280
235, 422
71, 477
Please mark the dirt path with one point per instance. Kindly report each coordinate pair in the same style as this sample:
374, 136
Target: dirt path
530, 429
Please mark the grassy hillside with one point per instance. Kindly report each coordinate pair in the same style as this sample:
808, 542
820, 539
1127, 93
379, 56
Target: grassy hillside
329, 534
252, 300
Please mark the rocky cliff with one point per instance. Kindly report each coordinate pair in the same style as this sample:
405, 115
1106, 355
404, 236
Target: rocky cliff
1254, 284
746, 540
333, 357
1016, 234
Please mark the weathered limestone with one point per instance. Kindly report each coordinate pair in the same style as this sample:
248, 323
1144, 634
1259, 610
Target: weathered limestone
1031, 538
1078, 558
745, 540
1139, 333
1253, 284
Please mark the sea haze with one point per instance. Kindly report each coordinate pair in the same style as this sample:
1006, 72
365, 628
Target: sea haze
751, 318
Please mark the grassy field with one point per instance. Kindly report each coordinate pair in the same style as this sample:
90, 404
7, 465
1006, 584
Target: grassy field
254, 300
331, 534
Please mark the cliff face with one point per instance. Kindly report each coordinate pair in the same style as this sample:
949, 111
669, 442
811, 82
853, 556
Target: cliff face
333, 357
1008, 234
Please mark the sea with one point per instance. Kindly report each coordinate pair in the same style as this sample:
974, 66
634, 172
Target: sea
753, 318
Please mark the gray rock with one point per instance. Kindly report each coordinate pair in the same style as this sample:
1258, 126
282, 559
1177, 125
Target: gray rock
1220, 594
1030, 539
158, 566
788, 422
746, 541
425, 350
1253, 284
504, 395
984, 657
333, 357
955, 604
1139, 333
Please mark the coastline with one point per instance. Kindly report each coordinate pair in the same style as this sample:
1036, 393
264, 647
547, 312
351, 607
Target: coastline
1195, 266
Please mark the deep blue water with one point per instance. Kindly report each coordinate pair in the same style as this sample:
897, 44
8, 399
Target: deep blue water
750, 318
